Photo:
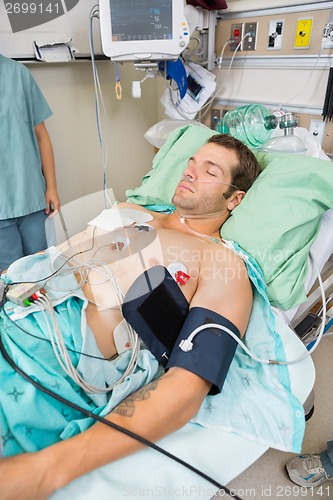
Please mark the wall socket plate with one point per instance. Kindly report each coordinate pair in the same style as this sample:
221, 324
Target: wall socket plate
328, 43
250, 42
303, 33
317, 130
275, 34
215, 117
328, 36
236, 36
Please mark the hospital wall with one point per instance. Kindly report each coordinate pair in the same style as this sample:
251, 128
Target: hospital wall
69, 90
291, 77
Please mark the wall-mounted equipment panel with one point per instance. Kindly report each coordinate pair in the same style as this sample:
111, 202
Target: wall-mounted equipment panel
328, 36
317, 130
215, 116
250, 41
275, 34
303, 33
236, 36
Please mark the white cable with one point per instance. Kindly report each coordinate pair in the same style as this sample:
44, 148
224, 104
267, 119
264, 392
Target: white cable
188, 53
65, 272
62, 355
220, 59
176, 103
60, 348
57, 342
187, 344
209, 102
40, 305
94, 13
133, 337
307, 82
219, 87
82, 268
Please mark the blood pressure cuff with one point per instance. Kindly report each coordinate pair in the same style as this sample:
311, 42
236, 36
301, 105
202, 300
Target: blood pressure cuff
212, 351
156, 308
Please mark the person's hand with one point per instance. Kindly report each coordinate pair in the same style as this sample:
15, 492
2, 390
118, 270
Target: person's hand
24, 477
52, 202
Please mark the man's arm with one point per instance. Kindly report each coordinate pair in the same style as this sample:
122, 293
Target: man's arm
153, 412
48, 168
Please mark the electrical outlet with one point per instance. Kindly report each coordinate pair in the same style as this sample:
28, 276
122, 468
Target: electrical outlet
303, 33
328, 36
235, 36
275, 35
215, 117
317, 130
250, 42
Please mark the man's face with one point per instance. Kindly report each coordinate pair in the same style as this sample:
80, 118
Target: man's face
206, 178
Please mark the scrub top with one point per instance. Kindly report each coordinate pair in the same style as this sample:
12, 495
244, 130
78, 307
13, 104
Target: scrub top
22, 107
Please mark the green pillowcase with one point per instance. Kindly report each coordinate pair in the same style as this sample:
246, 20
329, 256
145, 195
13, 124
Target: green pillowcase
276, 222
279, 218
158, 185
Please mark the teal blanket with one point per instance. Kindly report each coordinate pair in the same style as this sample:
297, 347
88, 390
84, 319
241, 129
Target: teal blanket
31, 420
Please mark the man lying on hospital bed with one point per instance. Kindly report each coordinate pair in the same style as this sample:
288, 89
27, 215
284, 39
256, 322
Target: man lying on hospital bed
213, 184
214, 287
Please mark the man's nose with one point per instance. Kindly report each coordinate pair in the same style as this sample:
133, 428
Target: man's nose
190, 174
187, 178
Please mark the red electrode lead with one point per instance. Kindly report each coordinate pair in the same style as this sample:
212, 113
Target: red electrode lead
181, 277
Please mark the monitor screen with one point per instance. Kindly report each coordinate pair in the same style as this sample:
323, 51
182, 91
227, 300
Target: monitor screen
141, 20
137, 30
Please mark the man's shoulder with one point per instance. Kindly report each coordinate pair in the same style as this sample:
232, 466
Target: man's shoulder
224, 253
134, 206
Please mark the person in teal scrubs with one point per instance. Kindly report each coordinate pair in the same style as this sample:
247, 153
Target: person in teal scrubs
28, 191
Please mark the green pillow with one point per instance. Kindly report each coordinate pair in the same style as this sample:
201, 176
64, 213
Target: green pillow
158, 185
276, 222
279, 218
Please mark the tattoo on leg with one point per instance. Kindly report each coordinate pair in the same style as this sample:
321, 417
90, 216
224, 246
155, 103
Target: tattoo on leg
127, 407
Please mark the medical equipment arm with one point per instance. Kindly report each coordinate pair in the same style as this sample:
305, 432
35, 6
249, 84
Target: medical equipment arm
155, 411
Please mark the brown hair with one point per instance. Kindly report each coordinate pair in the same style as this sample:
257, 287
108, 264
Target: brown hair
245, 173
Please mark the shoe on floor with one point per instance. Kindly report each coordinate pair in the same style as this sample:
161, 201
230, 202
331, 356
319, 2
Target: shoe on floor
307, 470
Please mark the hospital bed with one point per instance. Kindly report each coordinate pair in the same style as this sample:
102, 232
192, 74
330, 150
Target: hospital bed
220, 452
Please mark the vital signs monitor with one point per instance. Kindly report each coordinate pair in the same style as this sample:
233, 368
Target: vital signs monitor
137, 30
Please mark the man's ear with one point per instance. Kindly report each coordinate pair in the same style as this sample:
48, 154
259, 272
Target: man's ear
235, 199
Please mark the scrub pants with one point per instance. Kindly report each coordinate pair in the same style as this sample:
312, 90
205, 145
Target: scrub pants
326, 458
21, 236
